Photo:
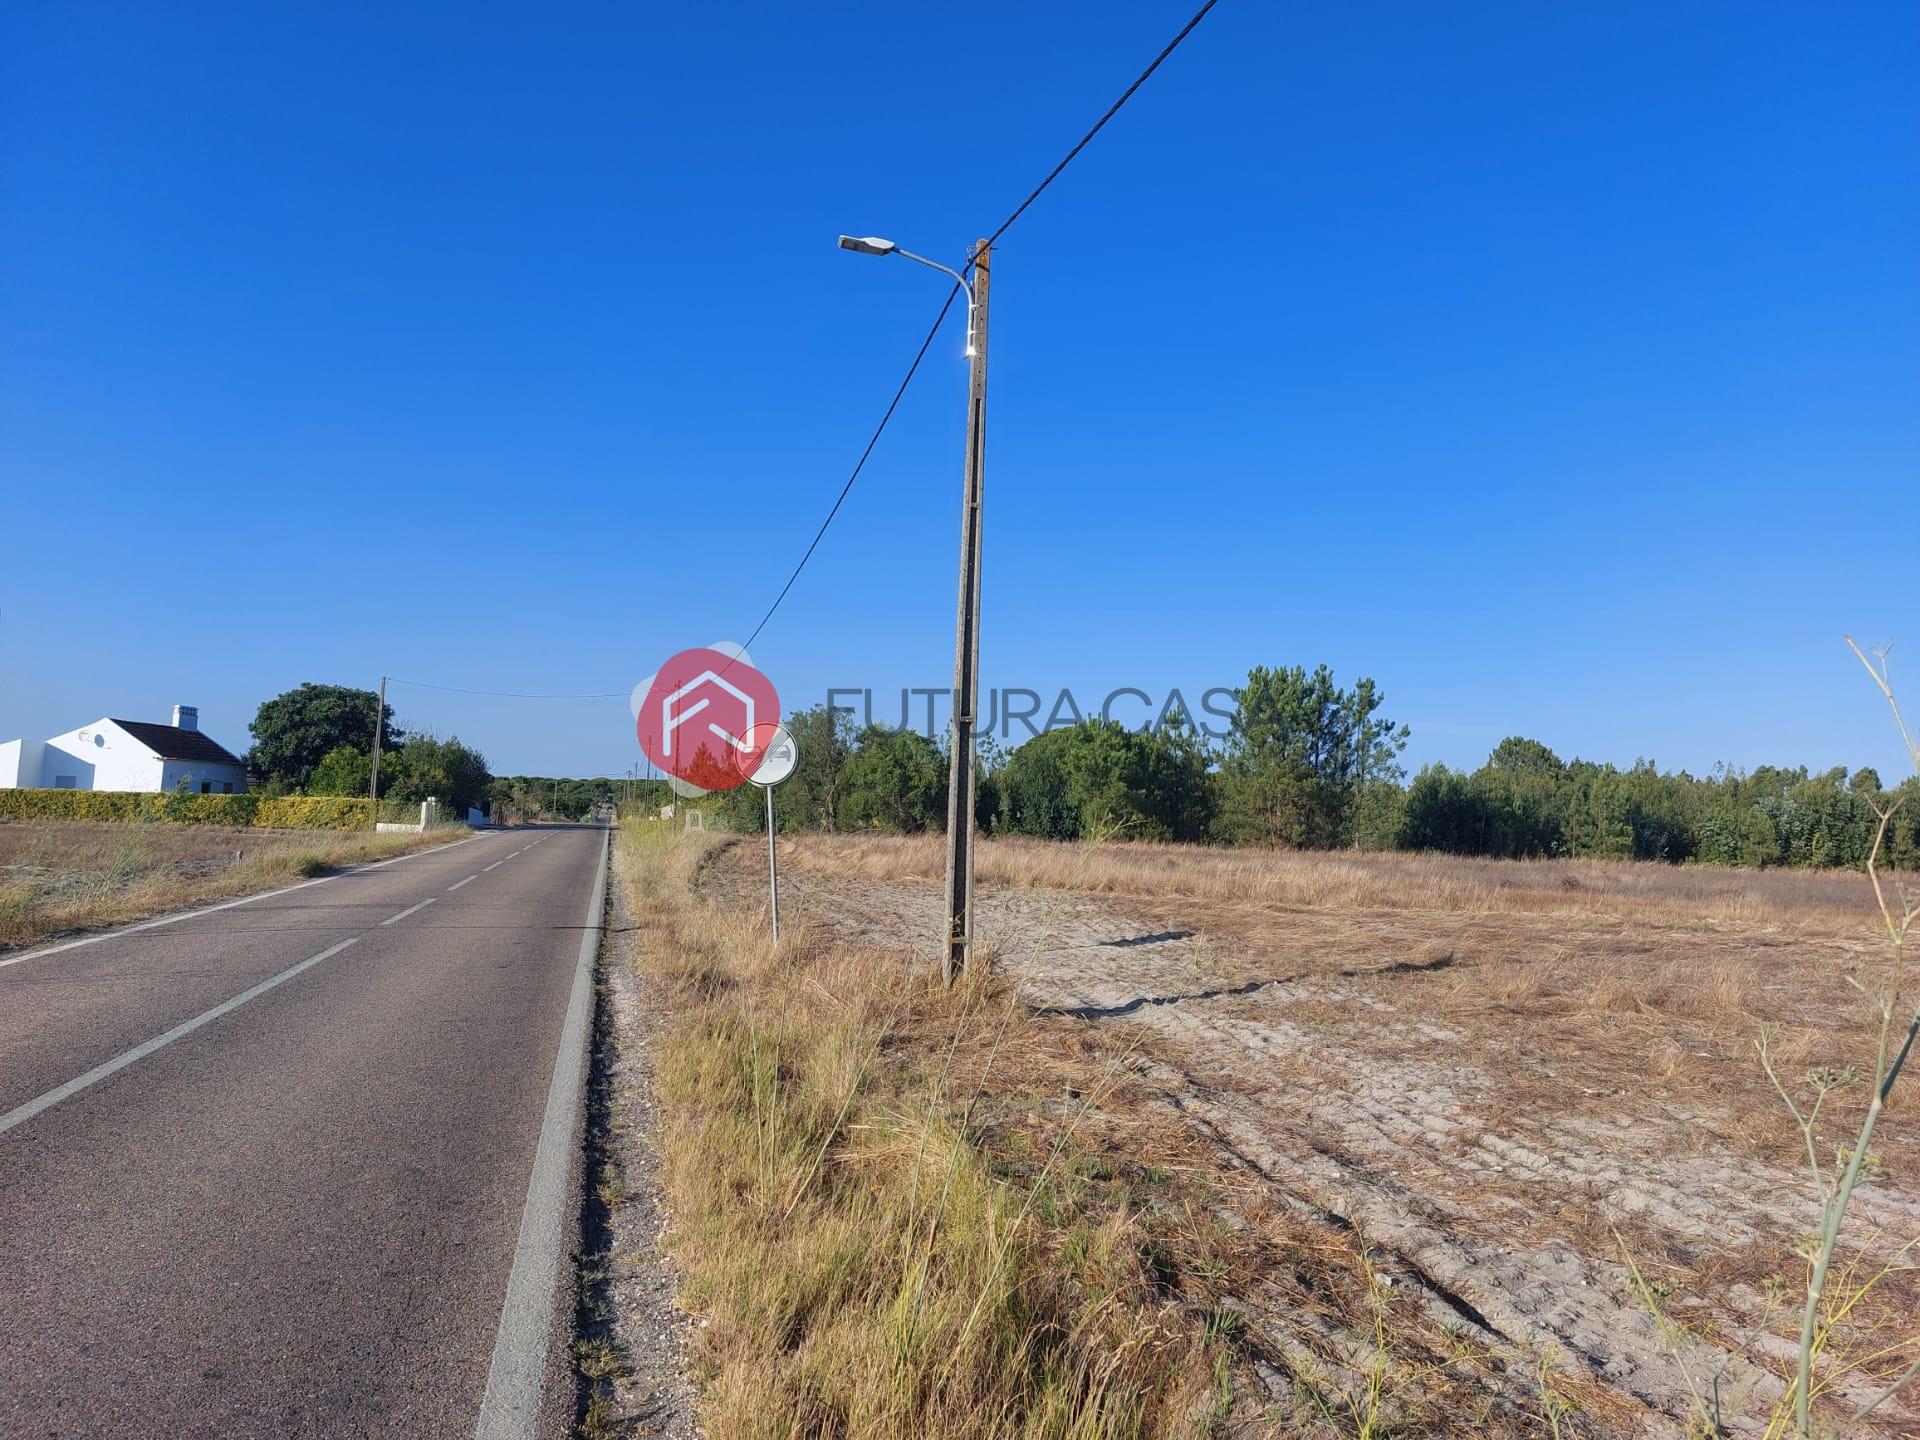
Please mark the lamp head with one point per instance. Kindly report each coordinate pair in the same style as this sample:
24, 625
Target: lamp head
867, 244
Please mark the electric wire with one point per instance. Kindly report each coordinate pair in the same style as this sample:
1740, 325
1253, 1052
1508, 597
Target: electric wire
913, 369
1005, 225
508, 694
1100, 124
860, 465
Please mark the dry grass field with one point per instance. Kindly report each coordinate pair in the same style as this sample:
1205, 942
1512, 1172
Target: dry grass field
57, 876
1454, 1147
888, 1205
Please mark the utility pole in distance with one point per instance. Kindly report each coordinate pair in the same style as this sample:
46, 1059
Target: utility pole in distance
379, 736
966, 642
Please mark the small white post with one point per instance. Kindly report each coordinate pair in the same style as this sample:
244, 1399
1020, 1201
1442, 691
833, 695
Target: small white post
773, 870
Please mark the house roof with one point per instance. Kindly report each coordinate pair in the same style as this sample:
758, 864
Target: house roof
170, 742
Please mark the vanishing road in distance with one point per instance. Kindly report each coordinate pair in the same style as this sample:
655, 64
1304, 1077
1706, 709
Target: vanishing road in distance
300, 1165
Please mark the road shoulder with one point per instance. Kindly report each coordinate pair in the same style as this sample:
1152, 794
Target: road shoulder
632, 1337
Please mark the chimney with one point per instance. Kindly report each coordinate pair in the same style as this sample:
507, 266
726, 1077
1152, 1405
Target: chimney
186, 717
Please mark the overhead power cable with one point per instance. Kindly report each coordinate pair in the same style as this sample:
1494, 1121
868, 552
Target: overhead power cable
899, 392
1100, 124
859, 465
508, 694
913, 369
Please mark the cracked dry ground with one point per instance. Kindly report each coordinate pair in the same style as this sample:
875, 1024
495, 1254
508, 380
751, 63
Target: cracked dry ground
1506, 1084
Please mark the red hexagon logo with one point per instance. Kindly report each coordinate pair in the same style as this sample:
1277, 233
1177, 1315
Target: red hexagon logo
707, 716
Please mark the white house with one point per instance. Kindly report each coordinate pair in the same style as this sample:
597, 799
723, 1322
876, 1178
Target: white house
125, 755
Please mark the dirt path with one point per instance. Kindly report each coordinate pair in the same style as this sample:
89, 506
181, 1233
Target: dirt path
631, 1351
1460, 1089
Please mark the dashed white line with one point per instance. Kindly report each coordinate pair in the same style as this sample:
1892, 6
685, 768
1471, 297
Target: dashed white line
468, 881
495, 866
410, 910
26, 1112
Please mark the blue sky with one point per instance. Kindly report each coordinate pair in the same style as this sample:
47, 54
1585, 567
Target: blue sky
1554, 365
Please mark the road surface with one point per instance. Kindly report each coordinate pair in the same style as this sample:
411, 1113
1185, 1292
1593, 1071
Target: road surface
273, 1169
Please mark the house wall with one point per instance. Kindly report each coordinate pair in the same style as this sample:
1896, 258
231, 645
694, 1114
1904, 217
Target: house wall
107, 759
20, 764
223, 779
102, 756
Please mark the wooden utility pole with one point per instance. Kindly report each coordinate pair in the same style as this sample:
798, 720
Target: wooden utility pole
379, 737
966, 647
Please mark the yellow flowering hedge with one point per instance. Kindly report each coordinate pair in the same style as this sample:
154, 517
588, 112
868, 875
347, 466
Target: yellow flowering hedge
314, 812
280, 812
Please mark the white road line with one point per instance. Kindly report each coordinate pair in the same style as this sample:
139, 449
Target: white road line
74, 1086
223, 905
495, 866
382, 864
511, 854
410, 910
458, 883
511, 1407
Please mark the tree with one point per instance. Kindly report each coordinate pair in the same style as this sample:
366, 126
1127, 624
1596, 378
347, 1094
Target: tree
343, 770
1522, 790
809, 799
427, 768
894, 780
1030, 790
1444, 810
1300, 750
1100, 779
294, 731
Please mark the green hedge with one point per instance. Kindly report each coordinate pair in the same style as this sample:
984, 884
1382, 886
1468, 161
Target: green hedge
314, 812
284, 812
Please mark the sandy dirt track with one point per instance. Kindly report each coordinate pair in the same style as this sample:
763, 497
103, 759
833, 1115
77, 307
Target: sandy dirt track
1506, 1102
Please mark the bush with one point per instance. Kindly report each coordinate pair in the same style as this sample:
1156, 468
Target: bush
1099, 779
429, 768
895, 780
72, 805
315, 812
291, 812
183, 807
342, 771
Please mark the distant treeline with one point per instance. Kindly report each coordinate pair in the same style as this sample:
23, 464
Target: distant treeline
547, 797
1309, 764
317, 740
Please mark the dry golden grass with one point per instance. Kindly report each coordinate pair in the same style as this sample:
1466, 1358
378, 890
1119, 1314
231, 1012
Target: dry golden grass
907, 1211
865, 1267
1601, 1017
58, 876
1447, 883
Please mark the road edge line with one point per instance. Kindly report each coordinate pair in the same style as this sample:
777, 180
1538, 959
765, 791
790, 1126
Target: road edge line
516, 1376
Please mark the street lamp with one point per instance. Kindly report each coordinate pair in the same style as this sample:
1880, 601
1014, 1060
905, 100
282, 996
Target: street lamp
874, 245
966, 639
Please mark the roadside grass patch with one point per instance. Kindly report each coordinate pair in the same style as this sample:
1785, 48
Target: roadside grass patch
59, 876
882, 1237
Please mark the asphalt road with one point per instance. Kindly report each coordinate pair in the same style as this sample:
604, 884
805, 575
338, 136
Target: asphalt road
299, 1213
